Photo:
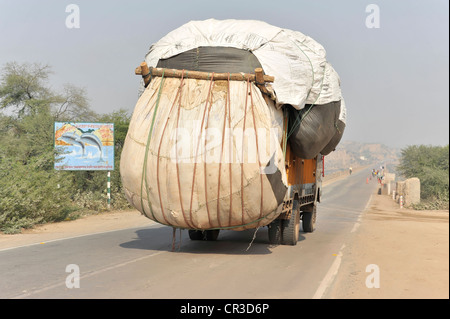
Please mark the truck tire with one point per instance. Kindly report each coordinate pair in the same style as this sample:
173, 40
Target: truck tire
275, 232
309, 220
195, 234
291, 227
211, 235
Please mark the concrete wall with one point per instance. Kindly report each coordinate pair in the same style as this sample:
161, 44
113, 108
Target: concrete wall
410, 190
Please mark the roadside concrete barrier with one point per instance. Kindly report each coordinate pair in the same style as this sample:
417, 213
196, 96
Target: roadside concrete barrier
408, 191
412, 191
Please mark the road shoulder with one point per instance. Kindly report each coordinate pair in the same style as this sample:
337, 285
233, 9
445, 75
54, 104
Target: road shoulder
405, 251
101, 222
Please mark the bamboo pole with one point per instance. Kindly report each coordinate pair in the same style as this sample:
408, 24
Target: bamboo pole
259, 76
174, 73
144, 71
260, 81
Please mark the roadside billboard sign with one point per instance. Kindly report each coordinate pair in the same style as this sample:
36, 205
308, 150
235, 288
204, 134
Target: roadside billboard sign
84, 146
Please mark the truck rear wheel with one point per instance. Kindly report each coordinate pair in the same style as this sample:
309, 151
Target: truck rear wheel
275, 232
309, 220
211, 235
195, 234
291, 227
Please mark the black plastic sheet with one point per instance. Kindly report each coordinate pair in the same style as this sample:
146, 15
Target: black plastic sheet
315, 129
213, 59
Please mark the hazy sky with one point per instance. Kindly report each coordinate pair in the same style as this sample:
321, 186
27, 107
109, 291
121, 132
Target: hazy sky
394, 78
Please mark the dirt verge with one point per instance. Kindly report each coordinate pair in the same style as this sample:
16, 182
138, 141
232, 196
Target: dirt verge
407, 250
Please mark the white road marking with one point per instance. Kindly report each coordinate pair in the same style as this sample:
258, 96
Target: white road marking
329, 277
332, 272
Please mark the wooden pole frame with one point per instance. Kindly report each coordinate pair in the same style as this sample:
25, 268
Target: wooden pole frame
147, 73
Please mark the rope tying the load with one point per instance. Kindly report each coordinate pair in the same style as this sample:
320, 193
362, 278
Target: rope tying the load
144, 166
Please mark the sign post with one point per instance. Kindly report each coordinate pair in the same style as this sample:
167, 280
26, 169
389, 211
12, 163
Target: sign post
109, 190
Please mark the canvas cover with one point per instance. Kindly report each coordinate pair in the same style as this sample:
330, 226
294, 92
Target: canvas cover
298, 63
205, 154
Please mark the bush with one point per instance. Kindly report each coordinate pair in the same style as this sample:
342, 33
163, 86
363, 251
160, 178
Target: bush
432, 205
30, 195
431, 165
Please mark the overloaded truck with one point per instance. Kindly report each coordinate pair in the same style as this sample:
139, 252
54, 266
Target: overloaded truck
230, 129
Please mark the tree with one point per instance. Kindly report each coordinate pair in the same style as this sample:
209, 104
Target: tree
72, 104
24, 91
22, 86
431, 165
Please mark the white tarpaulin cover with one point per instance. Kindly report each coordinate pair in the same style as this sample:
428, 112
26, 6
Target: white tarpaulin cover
298, 63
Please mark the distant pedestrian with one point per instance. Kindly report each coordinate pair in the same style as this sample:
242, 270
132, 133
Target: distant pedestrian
379, 176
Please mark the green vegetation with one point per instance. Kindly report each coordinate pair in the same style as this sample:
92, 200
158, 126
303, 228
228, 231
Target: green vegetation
31, 191
431, 165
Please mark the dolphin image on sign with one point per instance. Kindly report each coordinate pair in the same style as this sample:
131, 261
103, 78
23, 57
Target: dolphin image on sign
73, 139
92, 139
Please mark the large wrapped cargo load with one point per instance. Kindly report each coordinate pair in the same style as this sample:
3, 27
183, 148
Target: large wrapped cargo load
195, 154
207, 153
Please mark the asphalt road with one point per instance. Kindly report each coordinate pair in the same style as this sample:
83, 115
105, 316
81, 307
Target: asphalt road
139, 263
